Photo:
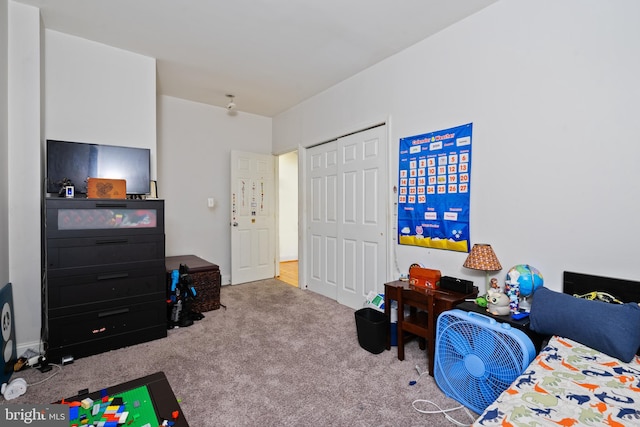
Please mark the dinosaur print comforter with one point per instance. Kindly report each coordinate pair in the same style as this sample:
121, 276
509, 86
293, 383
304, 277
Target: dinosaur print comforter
569, 384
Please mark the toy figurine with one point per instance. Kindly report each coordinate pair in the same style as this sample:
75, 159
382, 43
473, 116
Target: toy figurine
498, 304
181, 299
513, 292
494, 287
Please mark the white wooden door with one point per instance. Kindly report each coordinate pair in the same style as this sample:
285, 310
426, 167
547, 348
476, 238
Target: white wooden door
362, 225
253, 245
346, 220
322, 220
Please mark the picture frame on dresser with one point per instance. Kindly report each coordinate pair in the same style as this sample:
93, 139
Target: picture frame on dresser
153, 190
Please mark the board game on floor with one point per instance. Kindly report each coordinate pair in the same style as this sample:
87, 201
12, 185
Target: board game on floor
145, 402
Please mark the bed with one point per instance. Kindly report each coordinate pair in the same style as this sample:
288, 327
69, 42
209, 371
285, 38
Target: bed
589, 371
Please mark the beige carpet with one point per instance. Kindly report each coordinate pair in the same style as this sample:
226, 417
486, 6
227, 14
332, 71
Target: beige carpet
277, 356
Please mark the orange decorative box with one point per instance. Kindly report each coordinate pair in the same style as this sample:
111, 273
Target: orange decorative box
99, 188
424, 277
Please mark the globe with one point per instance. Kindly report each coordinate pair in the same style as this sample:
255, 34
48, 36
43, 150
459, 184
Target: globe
527, 277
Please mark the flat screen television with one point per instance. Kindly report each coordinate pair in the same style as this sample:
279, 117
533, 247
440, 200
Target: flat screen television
78, 161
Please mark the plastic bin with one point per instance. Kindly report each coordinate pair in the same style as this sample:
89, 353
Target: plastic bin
393, 330
373, 328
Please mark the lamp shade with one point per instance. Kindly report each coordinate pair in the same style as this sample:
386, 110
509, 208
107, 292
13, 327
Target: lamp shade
482, 258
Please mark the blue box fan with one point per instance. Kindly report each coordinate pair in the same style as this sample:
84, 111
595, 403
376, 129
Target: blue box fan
477, 358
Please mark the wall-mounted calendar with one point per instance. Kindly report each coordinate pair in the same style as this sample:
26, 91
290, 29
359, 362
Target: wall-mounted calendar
434, 187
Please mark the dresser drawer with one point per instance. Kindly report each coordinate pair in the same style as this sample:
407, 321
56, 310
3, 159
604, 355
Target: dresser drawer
83, 288
82, 328
88, 251
86, 218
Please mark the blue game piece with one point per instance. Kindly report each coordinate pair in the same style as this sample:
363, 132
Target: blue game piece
74, 411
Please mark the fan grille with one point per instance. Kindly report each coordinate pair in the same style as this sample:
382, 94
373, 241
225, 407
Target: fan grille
477, 358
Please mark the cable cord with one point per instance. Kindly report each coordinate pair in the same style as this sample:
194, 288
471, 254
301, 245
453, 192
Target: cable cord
395, 230
442, 411
420, 374
49, 377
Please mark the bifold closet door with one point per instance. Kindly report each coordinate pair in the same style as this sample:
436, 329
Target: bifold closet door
346, 221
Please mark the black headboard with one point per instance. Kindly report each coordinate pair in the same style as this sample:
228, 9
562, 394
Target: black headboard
578, 283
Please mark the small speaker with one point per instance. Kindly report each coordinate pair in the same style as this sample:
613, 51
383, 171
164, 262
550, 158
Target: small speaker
8, 333
456, 285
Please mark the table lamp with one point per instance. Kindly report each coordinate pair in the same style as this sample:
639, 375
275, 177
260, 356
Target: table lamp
483, 258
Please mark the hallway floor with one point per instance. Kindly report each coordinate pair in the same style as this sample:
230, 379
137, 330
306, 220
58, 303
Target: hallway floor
289, 272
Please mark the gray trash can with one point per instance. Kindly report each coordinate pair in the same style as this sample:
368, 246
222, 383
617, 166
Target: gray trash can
373, 328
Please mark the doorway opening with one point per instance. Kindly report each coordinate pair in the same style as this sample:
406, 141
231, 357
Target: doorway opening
289, 272
288, 217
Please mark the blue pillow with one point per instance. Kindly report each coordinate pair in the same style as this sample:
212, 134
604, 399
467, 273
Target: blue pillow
613, 329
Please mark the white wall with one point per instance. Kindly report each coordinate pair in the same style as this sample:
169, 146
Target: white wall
84, 83
4, 146
99, 94
23, 148
288, 206
194, 145
551, 88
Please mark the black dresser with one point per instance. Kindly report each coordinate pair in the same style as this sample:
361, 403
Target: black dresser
104, 282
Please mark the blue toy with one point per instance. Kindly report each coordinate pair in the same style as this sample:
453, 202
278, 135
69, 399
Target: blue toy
180, 299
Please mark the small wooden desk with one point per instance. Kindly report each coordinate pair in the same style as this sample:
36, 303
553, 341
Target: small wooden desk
443, 300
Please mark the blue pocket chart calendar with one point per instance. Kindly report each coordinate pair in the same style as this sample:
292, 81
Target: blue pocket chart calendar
433, 191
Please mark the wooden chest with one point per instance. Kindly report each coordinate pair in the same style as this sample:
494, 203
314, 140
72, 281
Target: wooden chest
98, 188
206, 280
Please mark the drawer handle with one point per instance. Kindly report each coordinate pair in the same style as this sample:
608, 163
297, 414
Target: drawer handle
112, 242
113, 312
111, 205
113, 276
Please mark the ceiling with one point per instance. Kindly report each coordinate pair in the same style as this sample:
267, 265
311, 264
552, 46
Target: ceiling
270, 54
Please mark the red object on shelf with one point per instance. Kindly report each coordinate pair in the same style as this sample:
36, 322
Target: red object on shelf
424, 277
